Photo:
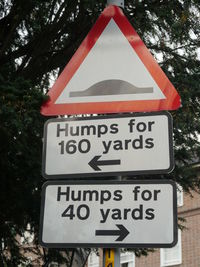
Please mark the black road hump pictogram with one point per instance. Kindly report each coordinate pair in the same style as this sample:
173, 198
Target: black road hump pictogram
112, 87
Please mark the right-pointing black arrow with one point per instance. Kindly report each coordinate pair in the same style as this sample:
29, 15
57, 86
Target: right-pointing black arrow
122, 232
95, 163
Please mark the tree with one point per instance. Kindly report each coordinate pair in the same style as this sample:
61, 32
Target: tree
37, 39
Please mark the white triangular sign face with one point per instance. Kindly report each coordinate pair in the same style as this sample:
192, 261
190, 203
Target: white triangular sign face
111, 72
109, 65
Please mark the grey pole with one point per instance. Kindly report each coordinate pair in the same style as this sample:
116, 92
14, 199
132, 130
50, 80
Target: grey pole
116, 250
119, 3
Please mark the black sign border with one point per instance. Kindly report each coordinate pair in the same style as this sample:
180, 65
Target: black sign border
111, 245
101, 174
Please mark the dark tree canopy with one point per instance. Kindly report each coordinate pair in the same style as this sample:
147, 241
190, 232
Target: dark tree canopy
37, 39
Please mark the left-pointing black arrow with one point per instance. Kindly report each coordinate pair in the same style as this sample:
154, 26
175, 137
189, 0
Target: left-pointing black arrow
122, 232
95, 163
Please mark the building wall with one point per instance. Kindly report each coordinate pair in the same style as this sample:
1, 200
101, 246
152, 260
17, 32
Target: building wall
153, 260
191, 235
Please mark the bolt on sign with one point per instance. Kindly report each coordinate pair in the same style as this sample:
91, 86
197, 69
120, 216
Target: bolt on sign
109, 214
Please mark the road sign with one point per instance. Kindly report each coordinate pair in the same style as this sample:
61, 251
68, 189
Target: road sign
108, 145
109, 214
111, 72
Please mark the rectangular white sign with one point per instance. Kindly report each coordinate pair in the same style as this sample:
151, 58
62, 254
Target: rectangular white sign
108, 145
109, 214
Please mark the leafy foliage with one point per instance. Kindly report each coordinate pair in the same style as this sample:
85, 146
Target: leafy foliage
37, 39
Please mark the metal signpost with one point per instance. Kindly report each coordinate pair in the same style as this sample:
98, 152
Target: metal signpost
111, 72
119, 3
109, 214
108, 145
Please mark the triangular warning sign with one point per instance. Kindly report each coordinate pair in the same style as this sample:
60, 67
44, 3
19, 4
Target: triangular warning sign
111, 72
